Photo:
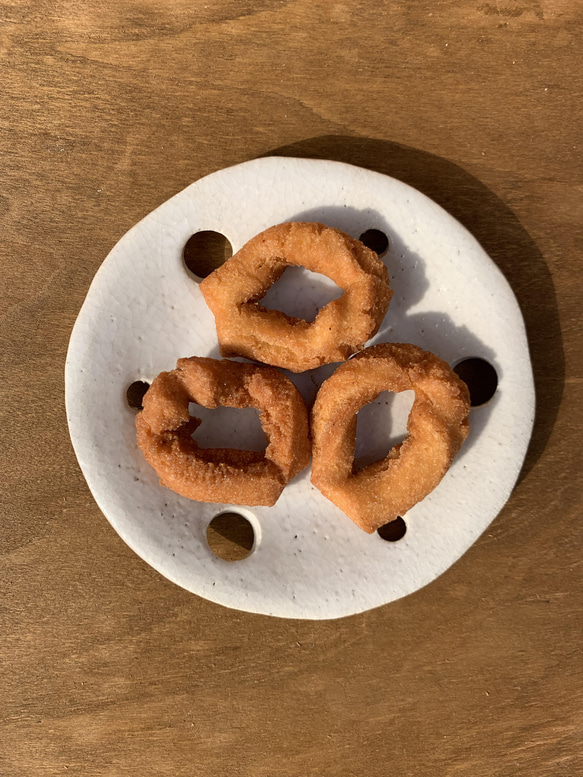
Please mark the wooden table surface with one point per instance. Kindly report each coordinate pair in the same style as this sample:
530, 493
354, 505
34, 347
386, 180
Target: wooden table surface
107, 110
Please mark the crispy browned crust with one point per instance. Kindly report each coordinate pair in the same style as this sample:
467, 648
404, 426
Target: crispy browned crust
341, 328
164, 429
437, 427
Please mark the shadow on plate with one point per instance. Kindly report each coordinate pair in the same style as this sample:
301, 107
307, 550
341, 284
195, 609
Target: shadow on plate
495, 227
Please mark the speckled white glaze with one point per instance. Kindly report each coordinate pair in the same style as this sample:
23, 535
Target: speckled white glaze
143, 311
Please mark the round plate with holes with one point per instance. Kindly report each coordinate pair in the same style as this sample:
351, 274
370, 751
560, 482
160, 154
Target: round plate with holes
144, 310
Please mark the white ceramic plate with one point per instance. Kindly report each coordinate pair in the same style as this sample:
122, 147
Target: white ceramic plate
143, 311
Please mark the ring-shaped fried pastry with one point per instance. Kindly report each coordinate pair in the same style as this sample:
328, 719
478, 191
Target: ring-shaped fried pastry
341, 328
165, 427
437, 427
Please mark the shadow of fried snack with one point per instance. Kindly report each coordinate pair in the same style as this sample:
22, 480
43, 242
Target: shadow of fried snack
429, 330
497, 229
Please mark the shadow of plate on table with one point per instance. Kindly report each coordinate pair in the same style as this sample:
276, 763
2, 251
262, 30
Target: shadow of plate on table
496, 228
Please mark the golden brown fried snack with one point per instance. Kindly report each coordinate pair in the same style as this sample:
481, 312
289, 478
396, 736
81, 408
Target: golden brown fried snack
341, 328
437, 426
225, 475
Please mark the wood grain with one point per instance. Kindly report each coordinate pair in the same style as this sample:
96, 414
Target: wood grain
107, 110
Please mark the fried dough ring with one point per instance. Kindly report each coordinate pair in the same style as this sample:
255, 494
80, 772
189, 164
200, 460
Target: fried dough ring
341, 328
164, 430
437, 427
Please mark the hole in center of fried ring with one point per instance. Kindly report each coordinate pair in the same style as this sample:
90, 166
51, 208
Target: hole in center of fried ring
228, 427
300, 293
380, 425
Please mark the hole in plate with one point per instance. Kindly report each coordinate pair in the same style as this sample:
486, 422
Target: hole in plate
301, 293
380, 425
480, 378
228, 427
230, 536
393, 531
204, 252
376, 240
135, 394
